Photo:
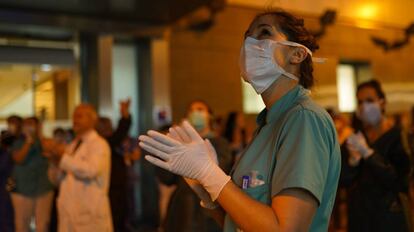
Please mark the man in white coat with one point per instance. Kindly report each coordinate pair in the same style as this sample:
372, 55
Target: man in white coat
83, 204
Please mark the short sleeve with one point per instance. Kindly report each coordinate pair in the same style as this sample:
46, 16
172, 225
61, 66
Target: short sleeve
303, 153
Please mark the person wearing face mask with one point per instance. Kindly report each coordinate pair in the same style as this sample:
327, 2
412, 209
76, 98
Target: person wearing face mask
117, 186
235, 133
8, 137
33, 193
184, 213
375, 167
200, 116
287, 177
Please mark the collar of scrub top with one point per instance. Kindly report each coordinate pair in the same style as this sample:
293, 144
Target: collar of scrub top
281, 105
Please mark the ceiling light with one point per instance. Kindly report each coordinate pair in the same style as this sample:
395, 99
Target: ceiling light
46, 67
368, 11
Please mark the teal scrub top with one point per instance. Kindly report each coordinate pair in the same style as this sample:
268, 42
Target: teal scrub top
31, 175
295, 146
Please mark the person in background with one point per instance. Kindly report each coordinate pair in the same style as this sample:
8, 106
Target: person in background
166, 191
33, 194
218, 124
143, 194
410, 131
70, 135
83, 203
117, 186
61, 137
376, 167
235, 133
200, 115
6, 209
339, 218
184, 212
6, 166
132, 154
14, 127
343, 128
408, 141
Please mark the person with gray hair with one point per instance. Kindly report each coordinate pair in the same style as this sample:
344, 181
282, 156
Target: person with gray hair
83, 203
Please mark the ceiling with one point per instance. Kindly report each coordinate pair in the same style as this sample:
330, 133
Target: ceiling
395, 13
58, 19
153, 11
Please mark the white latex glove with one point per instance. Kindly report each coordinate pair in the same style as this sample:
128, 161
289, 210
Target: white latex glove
354, 156
188, 159
357, 142
181, 135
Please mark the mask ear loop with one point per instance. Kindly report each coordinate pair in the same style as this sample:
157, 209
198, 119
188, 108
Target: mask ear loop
294, 44
319, 60
288, 43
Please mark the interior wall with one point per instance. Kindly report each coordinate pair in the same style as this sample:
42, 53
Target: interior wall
204, 65
344, 42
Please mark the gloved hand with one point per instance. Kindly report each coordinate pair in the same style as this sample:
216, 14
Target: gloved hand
181, 135
354, 156
188, 159
357, 142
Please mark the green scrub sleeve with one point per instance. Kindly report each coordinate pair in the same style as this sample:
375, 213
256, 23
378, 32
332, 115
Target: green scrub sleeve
302, 159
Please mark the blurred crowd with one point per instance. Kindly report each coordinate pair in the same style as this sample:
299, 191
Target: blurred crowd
375, 191
93, 177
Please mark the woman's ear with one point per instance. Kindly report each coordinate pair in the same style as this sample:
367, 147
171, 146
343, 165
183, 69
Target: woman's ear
299, 55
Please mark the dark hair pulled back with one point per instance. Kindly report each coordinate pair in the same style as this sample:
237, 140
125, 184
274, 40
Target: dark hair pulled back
295, 31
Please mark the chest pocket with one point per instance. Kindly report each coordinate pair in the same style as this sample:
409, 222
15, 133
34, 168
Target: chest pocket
268, 148
260, 193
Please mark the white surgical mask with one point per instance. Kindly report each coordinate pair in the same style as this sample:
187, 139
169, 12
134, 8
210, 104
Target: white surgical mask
370, 113
198, 119
257, 63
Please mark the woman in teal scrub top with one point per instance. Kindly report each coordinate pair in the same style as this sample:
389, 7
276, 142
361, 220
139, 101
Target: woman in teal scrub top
286, 179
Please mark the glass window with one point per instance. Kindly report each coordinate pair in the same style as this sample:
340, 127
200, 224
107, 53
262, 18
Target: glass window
345, 80
46, 91
349, 75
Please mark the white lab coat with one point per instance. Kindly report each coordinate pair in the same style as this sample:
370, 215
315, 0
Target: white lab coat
83, 203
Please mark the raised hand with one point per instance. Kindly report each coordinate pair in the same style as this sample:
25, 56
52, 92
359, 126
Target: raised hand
189, 158
181, 134
358, 143
124, 107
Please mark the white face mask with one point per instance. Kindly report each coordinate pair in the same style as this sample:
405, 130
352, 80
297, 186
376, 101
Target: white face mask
370, 113
198, 119
257, 63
